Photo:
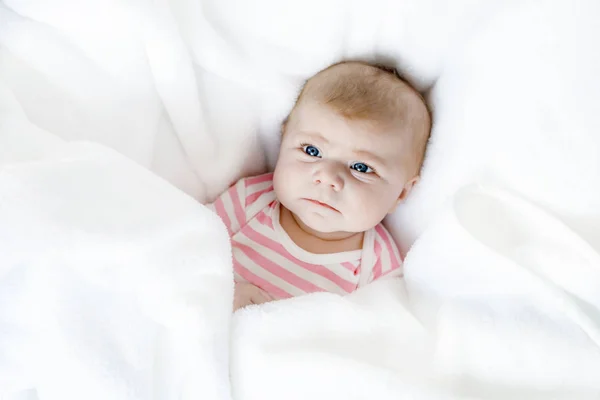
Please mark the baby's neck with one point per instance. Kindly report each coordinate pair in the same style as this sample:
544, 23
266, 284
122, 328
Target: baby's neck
318, 242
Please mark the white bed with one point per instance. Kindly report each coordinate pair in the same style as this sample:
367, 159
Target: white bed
119, 118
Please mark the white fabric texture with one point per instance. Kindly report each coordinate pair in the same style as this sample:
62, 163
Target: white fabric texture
500, 297
113, 284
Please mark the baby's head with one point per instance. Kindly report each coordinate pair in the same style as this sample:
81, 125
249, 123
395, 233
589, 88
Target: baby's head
352, 148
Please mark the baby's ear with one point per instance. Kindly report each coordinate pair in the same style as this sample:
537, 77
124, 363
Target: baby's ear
408, 186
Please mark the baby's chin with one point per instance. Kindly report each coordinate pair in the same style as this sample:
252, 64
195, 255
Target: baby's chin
318, 222
327, 224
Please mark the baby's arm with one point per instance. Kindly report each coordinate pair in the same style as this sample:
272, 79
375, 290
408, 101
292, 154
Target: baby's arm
231, 208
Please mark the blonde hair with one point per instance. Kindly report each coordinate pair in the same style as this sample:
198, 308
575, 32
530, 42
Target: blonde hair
371, 92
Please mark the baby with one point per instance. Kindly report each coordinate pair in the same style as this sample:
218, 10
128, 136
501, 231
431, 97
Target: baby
351, 151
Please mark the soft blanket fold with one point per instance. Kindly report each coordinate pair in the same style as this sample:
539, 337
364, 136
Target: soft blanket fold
113, 284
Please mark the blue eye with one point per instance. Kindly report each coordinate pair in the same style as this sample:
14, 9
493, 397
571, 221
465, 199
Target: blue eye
312, 151
361, 167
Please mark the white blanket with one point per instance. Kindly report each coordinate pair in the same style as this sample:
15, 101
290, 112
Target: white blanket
113, 284
116, 285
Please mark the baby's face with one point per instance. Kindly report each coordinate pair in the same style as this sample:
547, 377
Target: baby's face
338, 175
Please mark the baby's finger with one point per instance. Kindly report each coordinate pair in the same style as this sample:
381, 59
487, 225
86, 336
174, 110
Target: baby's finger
266, 295
261, 297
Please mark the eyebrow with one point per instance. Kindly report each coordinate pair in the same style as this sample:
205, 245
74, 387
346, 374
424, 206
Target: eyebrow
315, 135
369, 156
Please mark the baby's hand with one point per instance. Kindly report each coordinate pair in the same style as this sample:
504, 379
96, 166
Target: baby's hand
246, 294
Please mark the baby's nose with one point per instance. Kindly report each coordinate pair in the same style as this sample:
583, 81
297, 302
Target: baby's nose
330, 177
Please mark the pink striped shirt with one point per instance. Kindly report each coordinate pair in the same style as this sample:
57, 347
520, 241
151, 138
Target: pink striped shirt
264, 255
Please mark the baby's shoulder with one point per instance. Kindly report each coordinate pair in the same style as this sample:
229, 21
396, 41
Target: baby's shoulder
258, 193
384, 253
382, 238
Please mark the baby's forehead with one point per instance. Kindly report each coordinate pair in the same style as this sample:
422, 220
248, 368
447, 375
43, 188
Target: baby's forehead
313, 114
363, 92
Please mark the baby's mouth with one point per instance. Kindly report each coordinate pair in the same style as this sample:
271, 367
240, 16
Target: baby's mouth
324, 205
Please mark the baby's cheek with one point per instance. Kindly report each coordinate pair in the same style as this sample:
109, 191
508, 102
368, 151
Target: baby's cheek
286, 180
368, 208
